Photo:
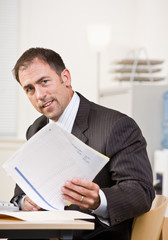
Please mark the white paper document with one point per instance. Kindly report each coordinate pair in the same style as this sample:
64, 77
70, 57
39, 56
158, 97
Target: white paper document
46, 215
49, 158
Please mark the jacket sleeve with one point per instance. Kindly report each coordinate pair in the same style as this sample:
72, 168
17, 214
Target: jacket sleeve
132, 191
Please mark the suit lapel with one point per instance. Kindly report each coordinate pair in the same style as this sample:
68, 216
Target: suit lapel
80, 124
81, 121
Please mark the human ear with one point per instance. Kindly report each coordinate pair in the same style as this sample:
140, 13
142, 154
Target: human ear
66, 77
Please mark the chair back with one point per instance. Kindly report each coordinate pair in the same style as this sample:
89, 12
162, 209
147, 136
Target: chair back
148, 226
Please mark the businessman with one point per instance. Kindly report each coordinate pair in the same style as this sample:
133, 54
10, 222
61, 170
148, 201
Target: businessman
123, 189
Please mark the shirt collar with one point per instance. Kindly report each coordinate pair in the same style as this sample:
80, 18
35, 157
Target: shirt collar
66, 120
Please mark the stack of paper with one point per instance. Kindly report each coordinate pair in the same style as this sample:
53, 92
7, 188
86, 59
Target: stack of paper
47, 160
45, 215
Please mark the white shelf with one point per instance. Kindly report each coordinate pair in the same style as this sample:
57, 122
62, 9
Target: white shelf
143, 102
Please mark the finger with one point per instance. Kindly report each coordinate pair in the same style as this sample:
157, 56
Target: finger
29, 205
72, 194
31, 202
84, 204
71, 187
83, 187
84, 183
81, 196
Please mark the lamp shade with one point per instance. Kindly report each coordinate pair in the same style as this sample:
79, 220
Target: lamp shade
99, 35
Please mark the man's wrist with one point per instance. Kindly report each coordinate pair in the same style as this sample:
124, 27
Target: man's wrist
102, 209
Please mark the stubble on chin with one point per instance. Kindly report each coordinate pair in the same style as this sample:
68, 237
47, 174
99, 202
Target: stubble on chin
55, 113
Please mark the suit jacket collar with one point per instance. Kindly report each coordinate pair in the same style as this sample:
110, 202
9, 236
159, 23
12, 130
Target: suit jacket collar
81, 121
80, 124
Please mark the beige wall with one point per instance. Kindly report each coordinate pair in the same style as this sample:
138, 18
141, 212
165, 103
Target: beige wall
7, 148
62, 26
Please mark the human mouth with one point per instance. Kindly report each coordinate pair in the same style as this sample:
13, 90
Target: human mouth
47, 104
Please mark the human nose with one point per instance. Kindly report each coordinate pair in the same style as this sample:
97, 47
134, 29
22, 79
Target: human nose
40, 93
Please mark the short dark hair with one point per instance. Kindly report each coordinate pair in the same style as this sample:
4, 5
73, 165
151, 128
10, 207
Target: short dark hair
49, 56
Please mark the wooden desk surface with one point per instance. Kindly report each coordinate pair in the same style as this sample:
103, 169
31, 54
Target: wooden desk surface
42, 229
62, 224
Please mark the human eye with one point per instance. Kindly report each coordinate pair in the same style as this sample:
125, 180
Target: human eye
28, 89
44, 81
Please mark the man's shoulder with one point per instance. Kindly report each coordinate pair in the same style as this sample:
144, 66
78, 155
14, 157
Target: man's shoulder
98, 115
36, 126
97, 110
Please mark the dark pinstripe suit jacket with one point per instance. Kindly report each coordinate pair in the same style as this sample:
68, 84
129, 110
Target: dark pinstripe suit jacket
126, 180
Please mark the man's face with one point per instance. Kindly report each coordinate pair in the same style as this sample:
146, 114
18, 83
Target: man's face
48, 92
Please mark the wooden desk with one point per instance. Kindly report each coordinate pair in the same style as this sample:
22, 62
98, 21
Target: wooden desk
39, 230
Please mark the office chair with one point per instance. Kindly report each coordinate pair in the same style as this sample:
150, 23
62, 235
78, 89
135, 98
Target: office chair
148, 226
165, 230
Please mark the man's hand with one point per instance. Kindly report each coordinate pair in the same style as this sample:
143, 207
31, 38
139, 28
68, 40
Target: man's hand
29, 205
82, 192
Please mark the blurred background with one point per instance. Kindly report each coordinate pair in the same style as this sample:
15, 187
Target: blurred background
93, 37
